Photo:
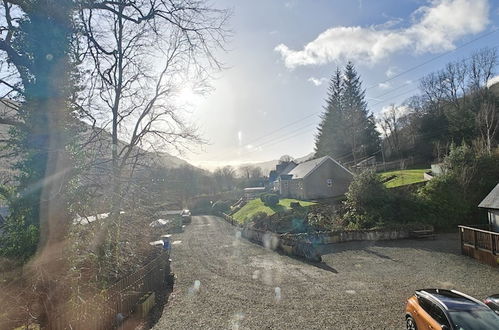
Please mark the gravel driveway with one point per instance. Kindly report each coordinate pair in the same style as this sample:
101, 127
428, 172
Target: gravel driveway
226, 282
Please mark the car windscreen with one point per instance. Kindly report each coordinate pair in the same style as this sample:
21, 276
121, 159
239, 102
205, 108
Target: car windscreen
476, 319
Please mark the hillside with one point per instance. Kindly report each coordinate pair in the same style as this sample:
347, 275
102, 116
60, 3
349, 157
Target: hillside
98, 151
270, 165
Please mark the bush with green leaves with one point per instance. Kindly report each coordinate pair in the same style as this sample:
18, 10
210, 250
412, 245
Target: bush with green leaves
370, 204
453, 198
221, 207
201, 206
444, 202
366, 200
269, 200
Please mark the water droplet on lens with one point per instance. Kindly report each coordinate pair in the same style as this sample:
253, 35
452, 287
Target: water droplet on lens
277, 292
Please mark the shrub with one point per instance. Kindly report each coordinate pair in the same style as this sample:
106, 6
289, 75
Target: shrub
258, 216
452, 198
295, 205
221, 207
269, 200
366, 200
201, 206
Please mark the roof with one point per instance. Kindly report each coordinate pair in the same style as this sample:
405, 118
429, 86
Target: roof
276, 174
254, 189
452, 300
491, 201
289, 168
305, 168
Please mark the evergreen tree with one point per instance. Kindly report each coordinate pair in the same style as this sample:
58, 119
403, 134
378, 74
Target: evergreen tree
361, 128
347, 130
329, 139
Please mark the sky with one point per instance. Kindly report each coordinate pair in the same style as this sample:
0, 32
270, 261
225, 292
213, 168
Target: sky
267, 101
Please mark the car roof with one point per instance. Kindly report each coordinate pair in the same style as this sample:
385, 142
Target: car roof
452, 300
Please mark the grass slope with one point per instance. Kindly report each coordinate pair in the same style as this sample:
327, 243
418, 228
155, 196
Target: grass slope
256, 205
404, 177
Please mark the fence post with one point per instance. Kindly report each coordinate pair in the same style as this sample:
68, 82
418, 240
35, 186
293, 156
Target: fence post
461, 239
492, 243
475, 239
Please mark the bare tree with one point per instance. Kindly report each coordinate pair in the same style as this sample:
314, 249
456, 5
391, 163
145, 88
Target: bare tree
256, 172
285, 159
457, 92
224, 177
245, 171
140, 53
390, 123
488, 123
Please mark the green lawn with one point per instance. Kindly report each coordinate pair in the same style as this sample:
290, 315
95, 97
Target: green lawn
404, 177
256, 205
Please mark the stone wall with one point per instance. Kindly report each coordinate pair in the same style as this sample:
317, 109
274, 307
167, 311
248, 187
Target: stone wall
304, 244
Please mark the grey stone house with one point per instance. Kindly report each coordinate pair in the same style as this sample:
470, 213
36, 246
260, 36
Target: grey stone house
314, 179
491, 204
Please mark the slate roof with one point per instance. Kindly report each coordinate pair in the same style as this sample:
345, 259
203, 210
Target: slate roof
492, 199
251, 189
289, 168
305, 168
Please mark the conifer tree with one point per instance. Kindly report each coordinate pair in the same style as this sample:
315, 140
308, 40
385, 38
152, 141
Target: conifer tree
328, 139
347, 131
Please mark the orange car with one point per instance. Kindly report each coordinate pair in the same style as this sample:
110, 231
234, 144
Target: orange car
448, 309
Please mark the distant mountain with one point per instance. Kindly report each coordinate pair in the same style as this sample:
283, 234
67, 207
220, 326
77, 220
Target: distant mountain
270, 165
98, 151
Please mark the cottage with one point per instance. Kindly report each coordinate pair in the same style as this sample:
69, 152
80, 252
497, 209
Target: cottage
491, 203
318, 178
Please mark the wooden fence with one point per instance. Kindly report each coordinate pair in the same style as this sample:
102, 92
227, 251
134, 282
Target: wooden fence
107, 309
480, 243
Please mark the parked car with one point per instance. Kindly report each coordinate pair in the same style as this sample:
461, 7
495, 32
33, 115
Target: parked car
186, 216
493, 302
448, 309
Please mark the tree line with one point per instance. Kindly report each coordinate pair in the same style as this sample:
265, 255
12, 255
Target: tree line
454, 105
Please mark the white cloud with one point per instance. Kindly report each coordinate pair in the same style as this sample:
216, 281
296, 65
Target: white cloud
384, 85
317, 81
400, 110
434, 28
392, 71
387, 110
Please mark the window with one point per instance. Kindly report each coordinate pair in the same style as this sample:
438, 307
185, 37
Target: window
329, 182
425, 304
434, 311
438, 314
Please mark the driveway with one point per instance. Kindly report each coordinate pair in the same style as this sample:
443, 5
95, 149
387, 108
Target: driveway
226, 282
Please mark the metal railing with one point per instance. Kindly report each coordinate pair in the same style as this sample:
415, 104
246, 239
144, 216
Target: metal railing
107, 309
